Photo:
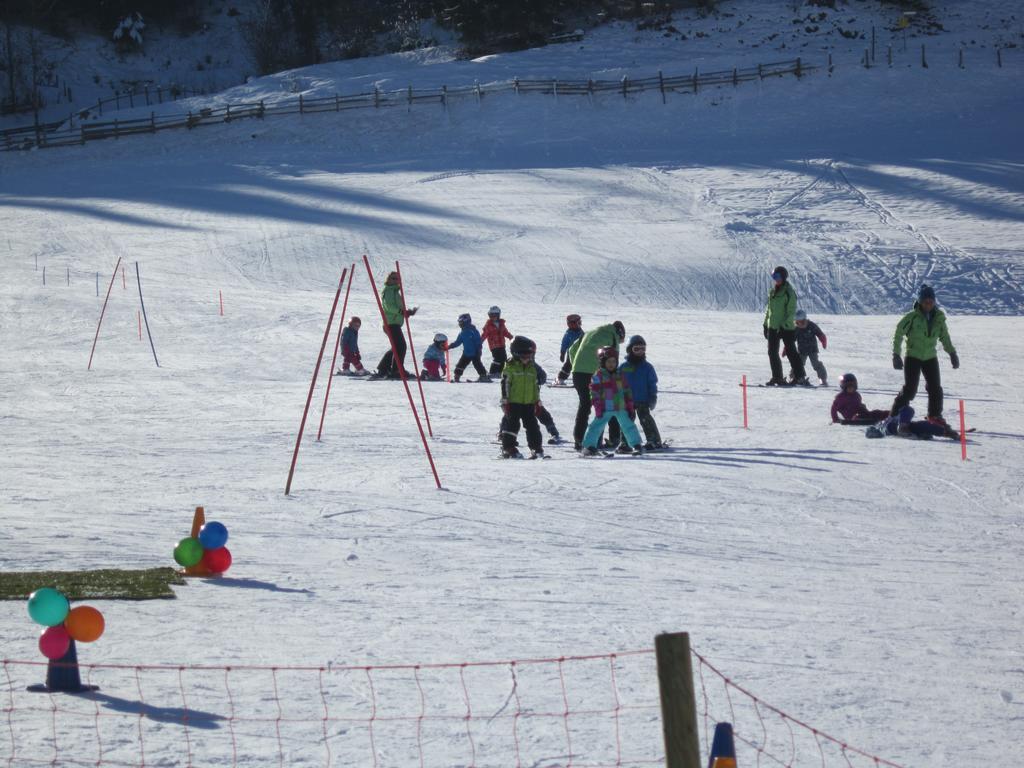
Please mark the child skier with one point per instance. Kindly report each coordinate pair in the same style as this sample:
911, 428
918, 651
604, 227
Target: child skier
643, 384
574, 331
903, 425
808, 334
611, 399
434, 363
469, 340
495, 333
350, 349
543, 414
849, 405
520, 394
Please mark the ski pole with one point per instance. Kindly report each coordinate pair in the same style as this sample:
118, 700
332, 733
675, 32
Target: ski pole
412, 349
337, 343
102, 311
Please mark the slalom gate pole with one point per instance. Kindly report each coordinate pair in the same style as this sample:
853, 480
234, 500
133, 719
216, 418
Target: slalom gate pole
412, 349
337, 343
124, 280
144, 315
448, 363
312, 384
963, 433
744, 385
102, 311
220, 295
139, 315
401, 370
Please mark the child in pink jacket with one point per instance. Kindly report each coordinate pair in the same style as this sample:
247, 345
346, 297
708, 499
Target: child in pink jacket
850, 406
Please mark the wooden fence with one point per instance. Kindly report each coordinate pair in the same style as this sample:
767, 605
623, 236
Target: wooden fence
63, 134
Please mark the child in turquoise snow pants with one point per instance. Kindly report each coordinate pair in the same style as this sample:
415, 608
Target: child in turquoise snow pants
611, 398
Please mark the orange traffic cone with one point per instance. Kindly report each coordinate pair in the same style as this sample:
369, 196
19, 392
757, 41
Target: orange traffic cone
723, 749
198, 521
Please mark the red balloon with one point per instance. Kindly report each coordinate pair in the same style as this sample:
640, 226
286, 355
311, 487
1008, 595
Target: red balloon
217, 560
54, 642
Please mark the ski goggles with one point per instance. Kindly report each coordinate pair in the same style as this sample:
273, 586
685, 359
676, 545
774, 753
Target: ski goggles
638, 348
776, 277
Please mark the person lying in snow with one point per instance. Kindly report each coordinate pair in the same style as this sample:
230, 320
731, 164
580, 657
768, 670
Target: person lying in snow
903, 425
850, 407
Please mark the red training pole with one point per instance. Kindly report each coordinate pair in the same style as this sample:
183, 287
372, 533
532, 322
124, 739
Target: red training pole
312, 384
139, 313
448, 362
963, 433
337, 343
221, 295
412, 349
401, 370
124, 280
744, 385
102, 311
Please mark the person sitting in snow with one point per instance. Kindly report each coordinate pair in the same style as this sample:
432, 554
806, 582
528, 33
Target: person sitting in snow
808, 334
520, 394
469, 340
903, 425
611, 399
643, 383
495, 333
350, 349
848, 406
434, 363
574, 331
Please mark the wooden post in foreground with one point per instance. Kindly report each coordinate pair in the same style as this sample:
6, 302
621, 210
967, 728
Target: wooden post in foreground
678, 703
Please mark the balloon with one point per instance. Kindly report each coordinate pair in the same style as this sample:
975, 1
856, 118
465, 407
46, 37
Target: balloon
54, 642
213, 535
48, 607
188, 552
217, 560
84, 623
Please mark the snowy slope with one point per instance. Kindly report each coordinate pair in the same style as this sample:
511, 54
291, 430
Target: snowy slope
871, 588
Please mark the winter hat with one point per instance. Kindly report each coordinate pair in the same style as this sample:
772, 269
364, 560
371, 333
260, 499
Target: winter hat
926, 292
521, 345
355, 320
633, 341
620, 330
782, 272
801, 315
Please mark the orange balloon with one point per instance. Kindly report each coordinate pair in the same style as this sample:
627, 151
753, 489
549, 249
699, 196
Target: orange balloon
84, 623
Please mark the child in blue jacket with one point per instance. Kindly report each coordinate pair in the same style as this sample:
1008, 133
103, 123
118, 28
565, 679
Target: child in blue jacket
434, 364
643, 381
469, 340
574, 325
350, 349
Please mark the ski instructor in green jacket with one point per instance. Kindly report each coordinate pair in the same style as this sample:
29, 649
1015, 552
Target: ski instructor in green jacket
780, 325
395, 313
583, 354
923, 328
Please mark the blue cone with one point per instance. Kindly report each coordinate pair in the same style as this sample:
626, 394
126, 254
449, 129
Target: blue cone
722, 746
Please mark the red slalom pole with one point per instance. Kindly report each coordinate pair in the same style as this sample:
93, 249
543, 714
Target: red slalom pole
221, 295
312, 384
139, 313
448, 362
102, 311
337, 343
401, 370
412, 349
744, 385
963, 433
124, 280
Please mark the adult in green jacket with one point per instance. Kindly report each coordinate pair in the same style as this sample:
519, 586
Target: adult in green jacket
780, 325
583, 354
393, 301
923, 328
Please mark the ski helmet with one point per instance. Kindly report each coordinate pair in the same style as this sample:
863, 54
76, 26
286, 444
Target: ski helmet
440, 338
926, 292
781, 274
848, 378
465, 319
573, 321
522, 346
635, 341
355, 321
605, 352
800, 315
494, 312
620, 330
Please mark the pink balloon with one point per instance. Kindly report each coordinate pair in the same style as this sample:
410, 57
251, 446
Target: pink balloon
54, 642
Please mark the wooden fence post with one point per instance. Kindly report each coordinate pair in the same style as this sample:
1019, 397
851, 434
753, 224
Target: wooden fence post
872, 43
147, 95
227, 113
115, 129
376, 96
924, 61
261, 111
189, 121
961, 64
695, 84
99, 106
735, 77
799, 67
81, 128
760, 71
159, 94
515, 85
889, 56
152, 122
479, 95
444, 97
410, 96
117, 99
625, 85
829, 64
999, 57
867, 59
131, 99
554, 88
661, 85
300, 104
678, 702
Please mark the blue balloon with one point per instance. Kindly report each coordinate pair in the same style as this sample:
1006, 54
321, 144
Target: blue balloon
213, 535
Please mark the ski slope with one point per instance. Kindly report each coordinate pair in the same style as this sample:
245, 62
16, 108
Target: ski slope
871, 588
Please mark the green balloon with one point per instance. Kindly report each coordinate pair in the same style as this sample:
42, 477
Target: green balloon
188, 552
48, 607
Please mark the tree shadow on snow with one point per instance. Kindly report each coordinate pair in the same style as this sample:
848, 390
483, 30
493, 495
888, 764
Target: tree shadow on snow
739, 457
191, 718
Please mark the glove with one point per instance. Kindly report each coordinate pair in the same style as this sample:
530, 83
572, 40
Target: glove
411, 312
765, 326
561, 357
897, 362
505, 407
954, 360
652, 402
538, 408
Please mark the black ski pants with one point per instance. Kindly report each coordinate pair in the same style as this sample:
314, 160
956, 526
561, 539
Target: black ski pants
544, 417
464, 361
525, 413
789, 339
387, 366
643, 413
581, 382
912, 370
498, 359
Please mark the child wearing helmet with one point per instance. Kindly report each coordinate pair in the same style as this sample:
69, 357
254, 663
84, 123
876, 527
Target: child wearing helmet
434, 363
612, 399
583, 354
350, 349
520, 394
495, 333
808, 334
574, 330
849, 405
469, 340
643, 384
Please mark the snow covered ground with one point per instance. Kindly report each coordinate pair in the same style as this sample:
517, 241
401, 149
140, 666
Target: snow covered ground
871, 588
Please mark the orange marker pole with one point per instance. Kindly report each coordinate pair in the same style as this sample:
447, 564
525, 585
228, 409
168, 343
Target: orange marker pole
221, 295
744, 386
963, 433
448, 363
139, 313
124, 280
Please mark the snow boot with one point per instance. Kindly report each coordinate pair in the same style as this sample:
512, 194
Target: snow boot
623, 449
637, 450
802, 382
555, 439
485, 378
773, 382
